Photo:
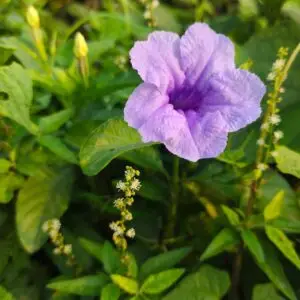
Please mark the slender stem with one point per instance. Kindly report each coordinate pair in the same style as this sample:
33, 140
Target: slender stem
236, 270
172, 214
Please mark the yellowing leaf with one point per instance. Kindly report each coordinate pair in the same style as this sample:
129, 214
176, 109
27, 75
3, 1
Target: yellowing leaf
273, 209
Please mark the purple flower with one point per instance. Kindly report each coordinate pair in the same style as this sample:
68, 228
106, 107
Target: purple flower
192, 95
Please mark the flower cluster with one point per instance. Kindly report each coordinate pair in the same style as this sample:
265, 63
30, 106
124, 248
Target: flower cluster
52, 228
269, 135
121, 62
128, 188
149, 6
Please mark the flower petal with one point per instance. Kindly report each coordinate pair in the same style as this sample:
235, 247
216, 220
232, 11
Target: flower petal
236, 94
157, 60
170, 127
204, 52
208, 133
142, 103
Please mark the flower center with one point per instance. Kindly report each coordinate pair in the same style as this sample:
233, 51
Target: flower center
186, 98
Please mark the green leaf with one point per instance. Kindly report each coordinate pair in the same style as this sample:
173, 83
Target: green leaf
5, 295
9, 183
111, 258
153, 188
253, 244
157, 283
107, 142
248, 8
84, 286
4, 165
92, 248
56, 145
231, 215
5, 52
273, 209
273, 269
132, 266
148, 158
53, 122
265, 291
207, 283
44, 196
16, 86
282, 242
110, 292
163, 261
288, 161
223, 240
129, 285
291, 8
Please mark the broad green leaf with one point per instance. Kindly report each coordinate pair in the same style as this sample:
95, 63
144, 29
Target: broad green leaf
207, 283
153, 188
5, 52
273, 269
110, 292
56, 145
92, 248
223, 240
288, 161
157, 283
4, 165
273, 209
53, 122
231, 215
129, 285
248, 8
84, 286
44, 196
107, 142
16, 95
111, 258
148, 158
163, 261
265, 291
282, 242
5, 295
132, 266
9, 183
291, 8
253, 244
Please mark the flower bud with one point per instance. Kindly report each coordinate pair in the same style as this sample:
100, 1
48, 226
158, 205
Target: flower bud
80, 47
32, 17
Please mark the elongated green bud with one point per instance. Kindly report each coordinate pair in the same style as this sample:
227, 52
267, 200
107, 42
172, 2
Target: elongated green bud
80, 46
32, 17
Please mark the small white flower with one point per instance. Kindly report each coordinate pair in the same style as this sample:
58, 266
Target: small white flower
57, 251
278, 134
45, 226
262, 167
147, 14
264, 126
135, 185
260, 142
119, 203
274, 153
128, 216
113, 226
275, 119
154, 4
121, 185
55, 224
278, 64
130, 233
68, 249
53, 234
282, 90
271, 76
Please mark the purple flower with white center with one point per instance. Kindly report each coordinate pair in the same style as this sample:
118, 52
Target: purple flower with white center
192, 95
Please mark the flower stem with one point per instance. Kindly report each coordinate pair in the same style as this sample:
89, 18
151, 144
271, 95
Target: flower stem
172, 214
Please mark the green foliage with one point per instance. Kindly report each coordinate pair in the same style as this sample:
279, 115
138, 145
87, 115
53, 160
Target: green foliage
64, 145
206, 283
44, 196
83, 286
